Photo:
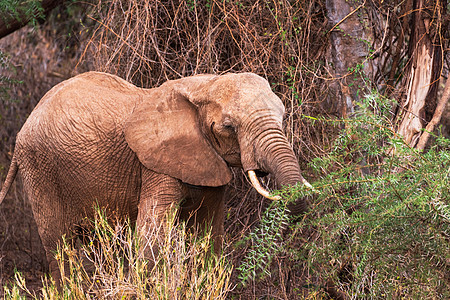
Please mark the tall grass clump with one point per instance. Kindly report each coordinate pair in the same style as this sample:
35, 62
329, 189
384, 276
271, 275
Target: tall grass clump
110, 265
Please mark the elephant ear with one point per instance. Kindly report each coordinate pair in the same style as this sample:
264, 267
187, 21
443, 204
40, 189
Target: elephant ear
164, 132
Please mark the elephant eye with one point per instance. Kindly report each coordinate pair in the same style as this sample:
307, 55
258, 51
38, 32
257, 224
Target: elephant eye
227, 125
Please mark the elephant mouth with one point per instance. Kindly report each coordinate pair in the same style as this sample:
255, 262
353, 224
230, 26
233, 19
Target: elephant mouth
260, 173
233, 159
234, 164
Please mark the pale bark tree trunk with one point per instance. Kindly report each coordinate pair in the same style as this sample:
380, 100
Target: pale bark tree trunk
423, 78
436, 117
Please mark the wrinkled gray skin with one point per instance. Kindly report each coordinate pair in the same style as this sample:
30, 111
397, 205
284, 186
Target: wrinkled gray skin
96, 138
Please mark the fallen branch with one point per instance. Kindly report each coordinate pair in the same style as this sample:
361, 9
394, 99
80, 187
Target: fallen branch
9, 24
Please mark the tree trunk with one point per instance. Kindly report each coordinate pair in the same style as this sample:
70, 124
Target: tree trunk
349, 49
424, 71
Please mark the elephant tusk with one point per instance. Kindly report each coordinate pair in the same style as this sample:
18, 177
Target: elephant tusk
257, 185
265, 193
308, 185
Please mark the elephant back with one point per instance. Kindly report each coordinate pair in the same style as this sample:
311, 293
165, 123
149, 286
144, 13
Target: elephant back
92, 105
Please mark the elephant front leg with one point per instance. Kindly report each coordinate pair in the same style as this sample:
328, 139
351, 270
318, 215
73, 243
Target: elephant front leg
160, 194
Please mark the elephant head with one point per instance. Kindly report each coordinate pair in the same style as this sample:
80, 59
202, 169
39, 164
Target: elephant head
200, 126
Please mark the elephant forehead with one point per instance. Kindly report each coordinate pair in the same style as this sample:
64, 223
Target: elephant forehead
254, 101
230, 86
246, 92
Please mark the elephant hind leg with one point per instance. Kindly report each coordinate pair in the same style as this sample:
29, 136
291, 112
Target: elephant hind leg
205, 208
51, 237
50, 220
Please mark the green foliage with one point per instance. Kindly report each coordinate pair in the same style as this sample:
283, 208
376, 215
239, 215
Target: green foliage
265, 242
379, 224
111, 266
21, 10
382, 214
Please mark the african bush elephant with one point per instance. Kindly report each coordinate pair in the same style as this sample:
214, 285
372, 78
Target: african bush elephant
96, 138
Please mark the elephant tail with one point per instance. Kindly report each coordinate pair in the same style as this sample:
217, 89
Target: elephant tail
9, 178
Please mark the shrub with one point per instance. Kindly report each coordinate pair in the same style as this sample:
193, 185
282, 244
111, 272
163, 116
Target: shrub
379, 224
381, 220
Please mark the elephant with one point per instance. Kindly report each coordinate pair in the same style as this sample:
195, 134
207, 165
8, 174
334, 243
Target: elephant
96, 138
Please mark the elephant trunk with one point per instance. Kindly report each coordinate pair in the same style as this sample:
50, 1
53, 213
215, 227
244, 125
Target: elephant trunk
276, 156
273, 154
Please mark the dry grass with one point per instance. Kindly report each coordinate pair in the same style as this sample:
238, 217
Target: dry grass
111, 266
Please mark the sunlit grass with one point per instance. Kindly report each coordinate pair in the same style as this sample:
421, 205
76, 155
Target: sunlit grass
111, 266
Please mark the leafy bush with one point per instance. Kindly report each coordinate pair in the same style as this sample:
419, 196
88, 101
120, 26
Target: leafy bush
379, 224
21, 10
111, 266
265, 242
